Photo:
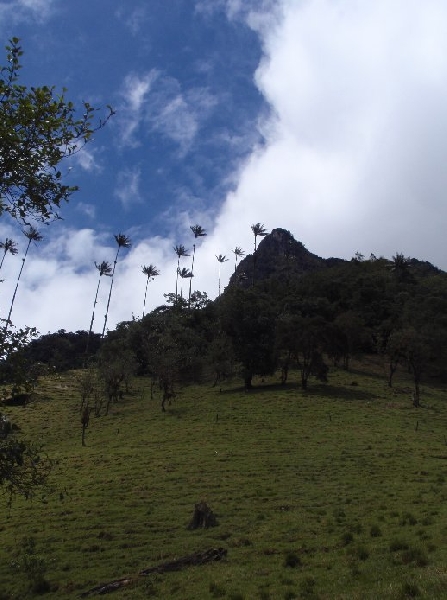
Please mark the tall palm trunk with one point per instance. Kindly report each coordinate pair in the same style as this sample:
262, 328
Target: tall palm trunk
258, 231
33, 236
221, 259
198, 231
192, 271
104, 268
123, 242
150, 273
180, 250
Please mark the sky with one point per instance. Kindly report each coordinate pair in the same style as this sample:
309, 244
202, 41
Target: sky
324, 117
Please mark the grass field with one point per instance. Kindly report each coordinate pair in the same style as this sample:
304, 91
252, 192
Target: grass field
337, 492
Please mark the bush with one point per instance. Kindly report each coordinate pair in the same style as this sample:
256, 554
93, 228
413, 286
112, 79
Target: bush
410, 590
292, 560
375, 531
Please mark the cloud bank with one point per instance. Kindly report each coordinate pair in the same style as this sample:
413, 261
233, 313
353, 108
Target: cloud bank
352, 159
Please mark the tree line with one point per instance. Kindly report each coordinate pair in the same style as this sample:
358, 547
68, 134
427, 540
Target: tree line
302, 323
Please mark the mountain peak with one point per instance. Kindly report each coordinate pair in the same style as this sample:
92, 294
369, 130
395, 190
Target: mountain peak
278, 255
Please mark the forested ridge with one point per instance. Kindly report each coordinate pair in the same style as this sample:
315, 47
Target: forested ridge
284, 308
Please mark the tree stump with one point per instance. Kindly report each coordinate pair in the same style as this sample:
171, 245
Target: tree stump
203, 517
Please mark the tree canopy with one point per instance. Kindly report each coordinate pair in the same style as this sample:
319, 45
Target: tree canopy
39, 127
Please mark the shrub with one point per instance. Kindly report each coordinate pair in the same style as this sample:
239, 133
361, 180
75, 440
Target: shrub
32, 565
347, 538
292, 560
415, 555
397, 545
216, 590
410, 590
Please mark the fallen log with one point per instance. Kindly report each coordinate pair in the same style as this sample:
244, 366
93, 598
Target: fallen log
107, 588
196, 559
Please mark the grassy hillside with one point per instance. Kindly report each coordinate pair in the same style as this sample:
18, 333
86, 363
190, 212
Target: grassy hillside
337, 492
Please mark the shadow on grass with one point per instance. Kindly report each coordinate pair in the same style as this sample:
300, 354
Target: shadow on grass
337, 392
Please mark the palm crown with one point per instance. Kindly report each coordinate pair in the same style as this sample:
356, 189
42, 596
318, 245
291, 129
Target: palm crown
258, 231
104, 268
198, 231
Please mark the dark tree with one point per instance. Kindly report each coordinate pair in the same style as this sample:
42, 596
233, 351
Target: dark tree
248, 318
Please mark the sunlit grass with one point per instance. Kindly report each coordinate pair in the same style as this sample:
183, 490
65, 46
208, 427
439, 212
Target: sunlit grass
337, 492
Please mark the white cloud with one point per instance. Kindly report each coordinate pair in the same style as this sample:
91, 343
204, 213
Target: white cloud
87, 159
134, 90
136, 20
87, 209
355, 140
178, 114
17, 11
128, 186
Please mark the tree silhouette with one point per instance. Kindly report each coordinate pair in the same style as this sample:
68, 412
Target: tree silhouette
258, 231
104, 268
181, 251
185, 274
123, 242
8, 246
400, 267
238, 253
33, 236
198, 231
221, 259
151, 271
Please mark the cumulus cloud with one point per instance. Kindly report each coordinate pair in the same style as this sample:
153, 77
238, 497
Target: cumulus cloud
356, 136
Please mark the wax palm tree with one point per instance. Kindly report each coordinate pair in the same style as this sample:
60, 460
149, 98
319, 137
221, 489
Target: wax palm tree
33, 236
221, 259
198, 231
8, 246
104, 268
123, 242
401, 267
185, 274
258, 231
151, 271
238, 253
181, 251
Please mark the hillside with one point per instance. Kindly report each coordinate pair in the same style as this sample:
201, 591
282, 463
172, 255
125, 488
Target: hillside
332, 493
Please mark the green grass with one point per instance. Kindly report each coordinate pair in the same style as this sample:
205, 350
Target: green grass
333, 493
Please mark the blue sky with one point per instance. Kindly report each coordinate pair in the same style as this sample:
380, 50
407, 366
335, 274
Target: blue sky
323, 117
